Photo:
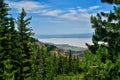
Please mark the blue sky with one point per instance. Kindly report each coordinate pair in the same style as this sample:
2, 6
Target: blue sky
59, 16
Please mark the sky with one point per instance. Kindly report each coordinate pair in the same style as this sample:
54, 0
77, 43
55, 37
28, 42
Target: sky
59, 16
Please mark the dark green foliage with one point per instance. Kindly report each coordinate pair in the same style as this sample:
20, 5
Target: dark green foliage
112, 1
95, 68
25, 49
50, 47
101, 60
6, 26
107, 31
15, 46
70, 63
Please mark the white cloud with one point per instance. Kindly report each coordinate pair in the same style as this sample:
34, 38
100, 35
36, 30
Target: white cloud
52, 13
82, 10
72, 14
69, 16
93, 7
72, 11
79, 14
34, 7
86, 15
88, 9
76, 15
27, 5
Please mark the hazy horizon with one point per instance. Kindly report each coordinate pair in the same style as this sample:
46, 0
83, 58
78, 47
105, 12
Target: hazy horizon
85, 35
78, 42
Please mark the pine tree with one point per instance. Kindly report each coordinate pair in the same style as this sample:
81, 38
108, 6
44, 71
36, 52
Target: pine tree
76, 63
106, 44
35, 64
60, 65
55, 64
13, 46
6, 66
65, 65
70, 62
112, 1
107, 31
25, 50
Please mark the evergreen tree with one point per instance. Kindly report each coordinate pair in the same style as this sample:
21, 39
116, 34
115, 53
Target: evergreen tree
14, 48
6, 30
25, 50
65, 65
76, 63
60, 65
112, 1
106, 44
55, 64
107, 31
70, 62
35, 71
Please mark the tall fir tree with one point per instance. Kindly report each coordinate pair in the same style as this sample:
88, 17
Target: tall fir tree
25, 50
5, 42
70, 62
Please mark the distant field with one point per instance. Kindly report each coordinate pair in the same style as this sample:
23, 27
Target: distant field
68, 47
78, 42
74, 50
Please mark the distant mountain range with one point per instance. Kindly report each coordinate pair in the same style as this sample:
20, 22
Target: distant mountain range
87, 35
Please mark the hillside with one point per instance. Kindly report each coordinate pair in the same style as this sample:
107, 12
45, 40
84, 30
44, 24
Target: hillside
74, 50
62, 49
50, 48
